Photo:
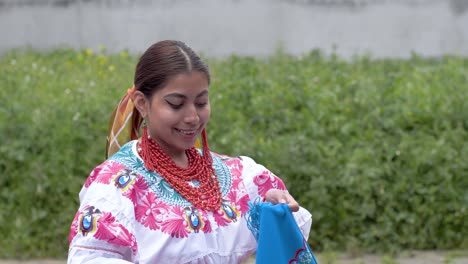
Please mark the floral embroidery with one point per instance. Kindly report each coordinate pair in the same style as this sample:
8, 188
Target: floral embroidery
240, 199
303, 255
136, 191
235, 167
238, 195
267, 181
175, 223
150, 212
229, 211
124, 179
220, 218
158, 207
104, 173
113, 232
103, 226
207, 227
226, 214
88, 220
234, 164
93, 175
158, 185
194, 219
74, 227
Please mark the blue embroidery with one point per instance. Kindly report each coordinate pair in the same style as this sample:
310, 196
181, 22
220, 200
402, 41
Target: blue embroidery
124, 179
230, 212
252, 217
88, 219
194, 219
87, 222
158, 185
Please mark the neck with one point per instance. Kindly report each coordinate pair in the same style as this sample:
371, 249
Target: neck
180, 159
178, 156
208, 195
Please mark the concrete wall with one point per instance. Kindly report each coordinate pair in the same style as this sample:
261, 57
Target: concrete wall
383, 28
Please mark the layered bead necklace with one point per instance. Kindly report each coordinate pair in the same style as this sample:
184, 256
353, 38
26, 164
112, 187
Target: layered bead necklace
207, 195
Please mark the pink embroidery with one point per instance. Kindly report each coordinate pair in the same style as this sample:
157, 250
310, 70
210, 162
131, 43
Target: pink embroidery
74, 227
220, 219
155, 214
109, 170
137, 191
236, 203
235, 166
93, 175
241, 201
150, 212
175, 223
103, 173
207, 227
107, 228
111, 231
267, 181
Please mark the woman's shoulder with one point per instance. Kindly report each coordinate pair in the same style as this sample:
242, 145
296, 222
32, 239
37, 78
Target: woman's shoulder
122, 162
224, 157
242, 164
128, 150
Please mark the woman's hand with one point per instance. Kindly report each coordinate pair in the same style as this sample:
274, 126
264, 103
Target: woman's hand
276, 196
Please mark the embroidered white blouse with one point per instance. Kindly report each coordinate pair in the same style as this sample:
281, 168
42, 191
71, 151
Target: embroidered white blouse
128, 214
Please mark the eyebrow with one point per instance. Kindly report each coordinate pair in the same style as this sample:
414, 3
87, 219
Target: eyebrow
204, 92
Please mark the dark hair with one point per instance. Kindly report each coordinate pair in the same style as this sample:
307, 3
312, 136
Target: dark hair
164, 60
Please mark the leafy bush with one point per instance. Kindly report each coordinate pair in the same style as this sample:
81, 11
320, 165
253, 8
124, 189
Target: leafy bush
376, 149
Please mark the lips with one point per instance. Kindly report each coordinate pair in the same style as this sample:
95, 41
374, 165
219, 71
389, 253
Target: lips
187, 132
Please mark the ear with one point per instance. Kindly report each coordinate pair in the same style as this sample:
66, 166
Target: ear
141, 103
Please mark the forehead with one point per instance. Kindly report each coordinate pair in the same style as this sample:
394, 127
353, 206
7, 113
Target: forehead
186, 84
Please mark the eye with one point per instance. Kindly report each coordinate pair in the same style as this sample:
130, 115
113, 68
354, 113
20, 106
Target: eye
201, 104
174, 106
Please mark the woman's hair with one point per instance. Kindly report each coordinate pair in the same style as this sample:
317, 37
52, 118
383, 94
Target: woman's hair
164, 60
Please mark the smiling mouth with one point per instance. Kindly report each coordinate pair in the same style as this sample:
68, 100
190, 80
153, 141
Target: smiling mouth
187, 132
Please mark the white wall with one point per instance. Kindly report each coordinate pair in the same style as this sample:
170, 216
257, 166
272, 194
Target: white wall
246, 27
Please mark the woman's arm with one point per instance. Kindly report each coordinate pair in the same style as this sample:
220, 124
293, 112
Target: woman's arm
103, 230
259, 181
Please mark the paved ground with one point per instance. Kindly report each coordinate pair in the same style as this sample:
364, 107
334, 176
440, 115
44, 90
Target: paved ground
329, 258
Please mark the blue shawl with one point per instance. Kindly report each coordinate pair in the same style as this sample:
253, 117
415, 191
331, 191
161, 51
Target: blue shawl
279, 238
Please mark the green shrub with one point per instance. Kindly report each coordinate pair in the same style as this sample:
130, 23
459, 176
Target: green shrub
376, 149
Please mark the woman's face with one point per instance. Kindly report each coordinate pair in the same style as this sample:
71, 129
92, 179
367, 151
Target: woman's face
177, 113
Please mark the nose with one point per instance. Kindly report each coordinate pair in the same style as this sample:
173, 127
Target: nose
191, 115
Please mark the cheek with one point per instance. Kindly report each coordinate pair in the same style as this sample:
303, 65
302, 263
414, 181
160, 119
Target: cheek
163, 116
205, 114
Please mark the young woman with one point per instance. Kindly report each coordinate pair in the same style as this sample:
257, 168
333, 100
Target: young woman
158, 199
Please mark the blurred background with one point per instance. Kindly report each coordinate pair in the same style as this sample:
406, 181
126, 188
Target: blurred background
360, 106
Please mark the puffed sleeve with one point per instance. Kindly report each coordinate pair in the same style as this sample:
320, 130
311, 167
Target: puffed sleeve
103, 228
258, 180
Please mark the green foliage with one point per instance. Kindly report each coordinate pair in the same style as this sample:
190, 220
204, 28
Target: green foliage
375, 149
388, 260
53, 125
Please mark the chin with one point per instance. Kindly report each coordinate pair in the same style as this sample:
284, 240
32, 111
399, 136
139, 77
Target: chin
188, 146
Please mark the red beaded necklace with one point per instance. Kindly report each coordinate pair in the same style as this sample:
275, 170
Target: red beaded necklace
207, 195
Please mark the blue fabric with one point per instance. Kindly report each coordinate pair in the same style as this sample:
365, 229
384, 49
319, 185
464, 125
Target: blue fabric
279, 238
